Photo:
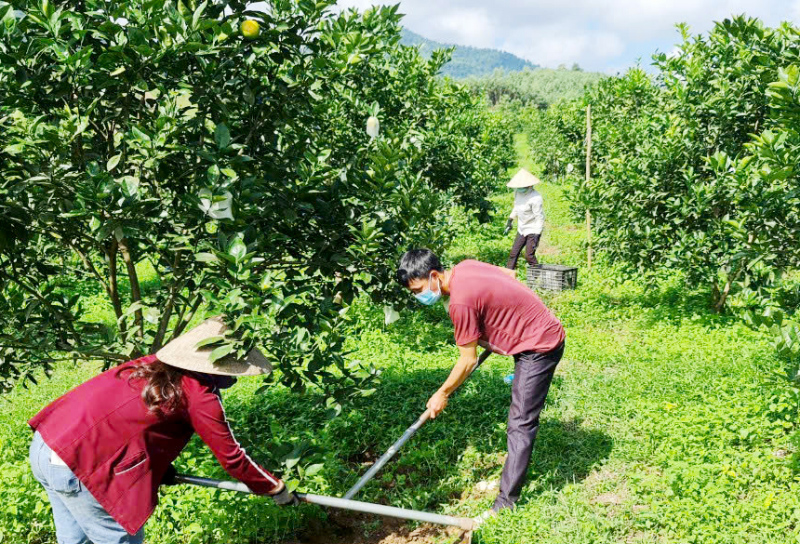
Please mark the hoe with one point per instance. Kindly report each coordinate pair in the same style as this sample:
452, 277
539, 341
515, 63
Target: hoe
347, 503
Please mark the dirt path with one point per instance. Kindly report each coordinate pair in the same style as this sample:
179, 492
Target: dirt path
347, 528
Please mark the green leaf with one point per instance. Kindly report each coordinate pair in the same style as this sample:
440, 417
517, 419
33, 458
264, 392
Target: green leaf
198, 13
152, 315
213, 174
206, 258
113, 162
220, 352
222, 136
237, 250
314, 469
209, 341
135, 307
130, 185
139, 135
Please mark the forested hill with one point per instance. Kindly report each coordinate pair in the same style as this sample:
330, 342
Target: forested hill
469, 61
540, 87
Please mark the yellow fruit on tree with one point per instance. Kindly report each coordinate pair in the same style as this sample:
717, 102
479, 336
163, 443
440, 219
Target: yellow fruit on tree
250, 28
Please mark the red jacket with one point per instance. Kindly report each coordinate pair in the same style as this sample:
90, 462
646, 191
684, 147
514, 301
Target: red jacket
120, 450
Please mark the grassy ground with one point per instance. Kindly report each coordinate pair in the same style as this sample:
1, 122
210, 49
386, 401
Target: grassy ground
658, 428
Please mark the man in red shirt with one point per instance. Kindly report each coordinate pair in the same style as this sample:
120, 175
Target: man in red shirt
491, 308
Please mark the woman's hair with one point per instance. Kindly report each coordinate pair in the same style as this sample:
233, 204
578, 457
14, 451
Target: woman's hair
161, 392
416, 264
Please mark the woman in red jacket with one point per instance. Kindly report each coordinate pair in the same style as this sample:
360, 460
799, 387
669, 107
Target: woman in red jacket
102, 449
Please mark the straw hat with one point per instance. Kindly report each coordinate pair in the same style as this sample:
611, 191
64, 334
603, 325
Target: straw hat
523, 179
184, 353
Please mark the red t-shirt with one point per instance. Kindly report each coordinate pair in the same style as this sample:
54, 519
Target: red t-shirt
488, 304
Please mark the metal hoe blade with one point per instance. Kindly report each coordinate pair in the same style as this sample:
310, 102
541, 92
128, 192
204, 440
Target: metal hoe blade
402, 440
334, 502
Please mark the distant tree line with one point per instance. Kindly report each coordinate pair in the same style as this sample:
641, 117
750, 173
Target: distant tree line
537, 88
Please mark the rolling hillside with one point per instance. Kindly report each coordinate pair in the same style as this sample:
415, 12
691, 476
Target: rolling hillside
469, 61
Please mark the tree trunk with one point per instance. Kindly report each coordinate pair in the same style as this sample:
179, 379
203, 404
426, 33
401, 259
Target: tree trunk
136, 294
113, 284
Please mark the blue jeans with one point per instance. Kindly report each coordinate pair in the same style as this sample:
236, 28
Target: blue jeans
78, 516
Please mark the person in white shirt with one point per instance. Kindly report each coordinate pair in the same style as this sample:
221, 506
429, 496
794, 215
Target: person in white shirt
529, 212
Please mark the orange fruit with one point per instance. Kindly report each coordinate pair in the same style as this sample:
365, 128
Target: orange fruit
250, 29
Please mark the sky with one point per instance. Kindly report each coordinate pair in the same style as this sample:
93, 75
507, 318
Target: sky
603, 35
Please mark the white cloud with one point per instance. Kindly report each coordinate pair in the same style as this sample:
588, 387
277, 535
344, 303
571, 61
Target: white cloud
598, 34
795, 12
549, 48
471, 26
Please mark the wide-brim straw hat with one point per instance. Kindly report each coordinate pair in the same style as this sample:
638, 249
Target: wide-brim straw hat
523, 179
184, 353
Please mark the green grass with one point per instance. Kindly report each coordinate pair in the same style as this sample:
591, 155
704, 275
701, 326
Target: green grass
661, 426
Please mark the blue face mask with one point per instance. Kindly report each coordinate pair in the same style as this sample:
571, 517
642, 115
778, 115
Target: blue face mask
522, 191
428, 297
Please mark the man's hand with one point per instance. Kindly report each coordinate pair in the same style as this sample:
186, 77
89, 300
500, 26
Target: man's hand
437, 403
467, 359
509, 272
284, 497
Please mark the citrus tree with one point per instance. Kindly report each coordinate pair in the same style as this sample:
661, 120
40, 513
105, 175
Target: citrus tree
233, 166
690, 168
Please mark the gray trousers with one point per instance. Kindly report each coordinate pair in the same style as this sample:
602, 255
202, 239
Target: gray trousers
533, 373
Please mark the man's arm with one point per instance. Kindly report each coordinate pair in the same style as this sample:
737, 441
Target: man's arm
467, 359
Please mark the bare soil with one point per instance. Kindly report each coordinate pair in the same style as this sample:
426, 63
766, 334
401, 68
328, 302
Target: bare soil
350, 528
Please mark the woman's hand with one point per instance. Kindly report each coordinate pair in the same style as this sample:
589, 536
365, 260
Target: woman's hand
284, 497
169, 476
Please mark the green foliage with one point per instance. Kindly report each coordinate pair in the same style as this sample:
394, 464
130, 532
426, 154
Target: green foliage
239, 171
556, 137
697, 170
537, 88
659, 427
468, 61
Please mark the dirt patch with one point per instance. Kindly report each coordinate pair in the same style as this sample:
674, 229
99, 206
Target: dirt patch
349, 528
548, 251
481, 490
640, 537
608, 498
608, 487
364, 458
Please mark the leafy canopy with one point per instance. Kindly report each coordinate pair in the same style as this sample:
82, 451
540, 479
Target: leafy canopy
152, 135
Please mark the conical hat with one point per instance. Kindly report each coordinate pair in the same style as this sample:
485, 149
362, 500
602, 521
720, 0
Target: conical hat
184, 353
523, 179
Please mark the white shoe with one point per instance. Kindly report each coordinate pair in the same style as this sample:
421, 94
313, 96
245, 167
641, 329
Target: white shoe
484, 486
483, 518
